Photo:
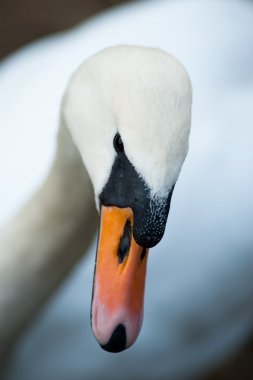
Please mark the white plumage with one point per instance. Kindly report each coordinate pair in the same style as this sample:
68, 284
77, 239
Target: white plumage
143, 94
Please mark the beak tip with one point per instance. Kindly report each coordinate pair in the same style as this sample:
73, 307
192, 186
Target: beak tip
117, 342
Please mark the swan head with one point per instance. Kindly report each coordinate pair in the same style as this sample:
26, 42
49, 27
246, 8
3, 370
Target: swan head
128, 110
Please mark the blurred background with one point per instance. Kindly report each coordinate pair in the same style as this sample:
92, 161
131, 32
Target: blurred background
22, 22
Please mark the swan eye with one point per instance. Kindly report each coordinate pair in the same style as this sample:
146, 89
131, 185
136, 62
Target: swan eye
118, 144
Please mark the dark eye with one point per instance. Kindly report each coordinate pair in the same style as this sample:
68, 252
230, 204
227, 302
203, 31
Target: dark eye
118, 144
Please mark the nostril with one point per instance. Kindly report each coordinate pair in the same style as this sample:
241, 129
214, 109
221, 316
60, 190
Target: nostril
125, 242
117, 341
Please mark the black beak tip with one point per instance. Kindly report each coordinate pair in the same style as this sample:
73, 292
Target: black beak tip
117, 342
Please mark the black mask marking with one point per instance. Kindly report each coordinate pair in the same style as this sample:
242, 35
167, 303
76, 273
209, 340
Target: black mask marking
125, 188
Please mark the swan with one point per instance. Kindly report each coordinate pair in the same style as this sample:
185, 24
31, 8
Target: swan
127, 129
141, 107
200, 309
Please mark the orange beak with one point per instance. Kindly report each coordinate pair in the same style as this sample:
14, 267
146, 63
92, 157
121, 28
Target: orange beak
119, 281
